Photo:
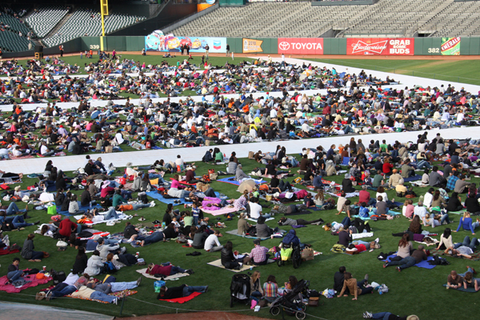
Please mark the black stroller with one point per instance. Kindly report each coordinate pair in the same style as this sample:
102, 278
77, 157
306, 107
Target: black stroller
291, 303
240, 289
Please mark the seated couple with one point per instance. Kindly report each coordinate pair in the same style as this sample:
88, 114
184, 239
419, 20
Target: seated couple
258, 256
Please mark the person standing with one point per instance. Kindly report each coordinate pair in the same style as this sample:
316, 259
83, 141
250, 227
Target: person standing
228, 50
60, 47
207, 48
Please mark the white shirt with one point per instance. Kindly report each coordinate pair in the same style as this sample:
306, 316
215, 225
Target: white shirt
427, 200
210, 242
420, 211
43, 149
255, 210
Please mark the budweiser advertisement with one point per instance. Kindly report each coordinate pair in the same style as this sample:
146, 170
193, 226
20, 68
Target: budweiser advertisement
300, 45
381, 46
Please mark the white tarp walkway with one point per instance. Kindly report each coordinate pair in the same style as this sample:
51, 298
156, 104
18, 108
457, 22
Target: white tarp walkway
68, 163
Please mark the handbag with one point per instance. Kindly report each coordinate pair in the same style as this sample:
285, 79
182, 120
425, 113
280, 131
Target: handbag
52, 210
313, 301
307, 254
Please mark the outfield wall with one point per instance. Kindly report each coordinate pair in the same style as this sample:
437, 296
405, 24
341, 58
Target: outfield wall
287, 46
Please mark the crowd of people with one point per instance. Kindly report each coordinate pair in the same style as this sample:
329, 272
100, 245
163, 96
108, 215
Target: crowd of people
376, 166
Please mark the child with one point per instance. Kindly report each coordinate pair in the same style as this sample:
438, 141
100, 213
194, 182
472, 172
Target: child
363, 212
195, 213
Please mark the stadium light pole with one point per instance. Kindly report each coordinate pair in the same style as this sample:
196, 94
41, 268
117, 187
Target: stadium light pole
103, 12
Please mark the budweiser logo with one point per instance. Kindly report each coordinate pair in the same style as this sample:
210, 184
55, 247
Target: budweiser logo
375, 47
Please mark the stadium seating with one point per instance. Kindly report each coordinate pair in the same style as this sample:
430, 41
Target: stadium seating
14, 23
84, 22
43, 21
301, 19
11, 41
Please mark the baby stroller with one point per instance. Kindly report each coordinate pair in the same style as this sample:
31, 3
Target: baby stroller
287, 252
291, 303
240, 289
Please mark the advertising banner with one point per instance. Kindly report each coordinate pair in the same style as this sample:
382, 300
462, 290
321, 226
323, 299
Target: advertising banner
157, 41
450, 46
251, 45
381, 46
300, 45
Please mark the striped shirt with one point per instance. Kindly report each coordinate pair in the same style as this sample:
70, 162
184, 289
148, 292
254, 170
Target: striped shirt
270, 289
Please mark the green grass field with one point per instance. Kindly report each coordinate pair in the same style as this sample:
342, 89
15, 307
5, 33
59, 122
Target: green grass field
414, 290
459, 71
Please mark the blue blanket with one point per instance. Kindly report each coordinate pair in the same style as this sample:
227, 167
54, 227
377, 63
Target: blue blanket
159, 197
414, 178
423, 264
66, 213
232, 180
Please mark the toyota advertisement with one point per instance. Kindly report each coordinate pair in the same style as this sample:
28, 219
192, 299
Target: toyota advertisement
300, 45
380, 46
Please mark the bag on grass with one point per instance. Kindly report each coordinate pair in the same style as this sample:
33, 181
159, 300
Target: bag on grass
157, 285
307, 254
52, 210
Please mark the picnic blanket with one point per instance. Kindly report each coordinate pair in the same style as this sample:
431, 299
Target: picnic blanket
124, 293
182, 299
144, 273
390, 212
10, 288
80, 207
220, 211
356, 236
472, 290
234, 232
6, 250
180, 201
185, 183
414, 178
347, 195
243, 268
231, 180
422, 264
101, 215
255, 220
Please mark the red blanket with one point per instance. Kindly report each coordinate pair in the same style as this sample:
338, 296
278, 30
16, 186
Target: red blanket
183, 299
34, 282
6, 250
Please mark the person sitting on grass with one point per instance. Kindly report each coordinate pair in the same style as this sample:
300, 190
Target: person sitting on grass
270, 289
179, 292
355, 287
466, 223
13, 272
28, 252
417, 256
259, 254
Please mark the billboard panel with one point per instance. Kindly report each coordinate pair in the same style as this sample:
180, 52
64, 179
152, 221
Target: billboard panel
251, 45
300, 45
157, 41
450, 46
381, 46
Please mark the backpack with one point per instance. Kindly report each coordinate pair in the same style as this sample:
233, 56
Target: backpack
142, 197
338, 248
109, 267
58, 277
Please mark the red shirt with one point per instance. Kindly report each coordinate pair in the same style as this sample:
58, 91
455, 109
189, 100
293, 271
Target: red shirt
66, 226
364, 196
387, 168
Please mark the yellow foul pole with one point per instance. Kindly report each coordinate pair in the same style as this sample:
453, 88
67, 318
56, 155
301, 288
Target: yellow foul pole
103, 12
